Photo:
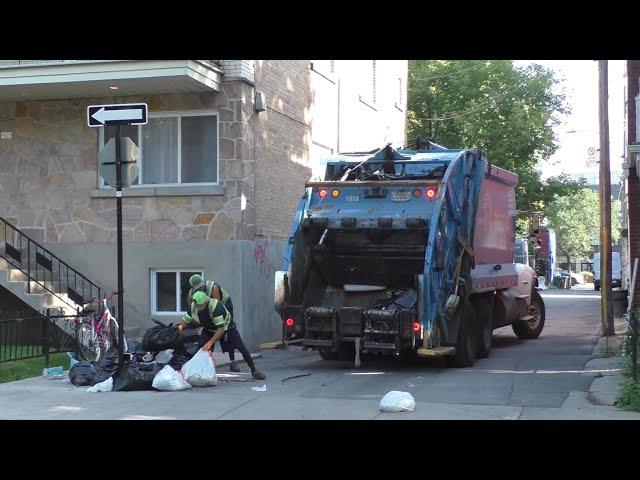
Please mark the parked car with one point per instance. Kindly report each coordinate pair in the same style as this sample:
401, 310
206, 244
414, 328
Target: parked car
616, 270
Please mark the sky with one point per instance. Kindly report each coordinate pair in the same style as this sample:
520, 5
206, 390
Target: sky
579, 81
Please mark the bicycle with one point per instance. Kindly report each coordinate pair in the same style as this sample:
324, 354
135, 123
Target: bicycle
94, 334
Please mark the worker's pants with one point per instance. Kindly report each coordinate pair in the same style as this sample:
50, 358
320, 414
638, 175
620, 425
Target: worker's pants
230, 342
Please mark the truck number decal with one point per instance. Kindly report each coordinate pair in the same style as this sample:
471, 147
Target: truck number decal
353, 198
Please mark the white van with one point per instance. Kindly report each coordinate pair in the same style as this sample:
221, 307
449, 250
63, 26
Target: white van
616, 271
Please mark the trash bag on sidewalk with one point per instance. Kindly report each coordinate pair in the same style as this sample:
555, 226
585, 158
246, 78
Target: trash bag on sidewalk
200, 371
105, 386
169, 380
107, 366
160, 337
135, 376
164, 356
395, 401
83, 374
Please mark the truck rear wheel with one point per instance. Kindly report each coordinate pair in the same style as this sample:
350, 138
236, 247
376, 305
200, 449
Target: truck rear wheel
346, 353
466, 342
531, 329
483, 304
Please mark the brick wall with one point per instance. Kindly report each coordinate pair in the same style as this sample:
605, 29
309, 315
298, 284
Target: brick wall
633, 183
243, 69
282, 135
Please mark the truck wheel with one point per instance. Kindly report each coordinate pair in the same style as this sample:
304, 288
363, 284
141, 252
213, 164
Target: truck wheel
467, 340
346, 353
327, 354
483, 304
531, 328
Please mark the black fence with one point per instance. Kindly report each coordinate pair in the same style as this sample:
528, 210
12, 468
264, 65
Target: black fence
35, 337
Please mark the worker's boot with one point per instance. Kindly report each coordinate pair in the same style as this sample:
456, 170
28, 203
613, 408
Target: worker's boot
233, 367
258, 375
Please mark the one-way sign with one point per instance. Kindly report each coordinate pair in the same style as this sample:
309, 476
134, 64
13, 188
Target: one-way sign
120, 114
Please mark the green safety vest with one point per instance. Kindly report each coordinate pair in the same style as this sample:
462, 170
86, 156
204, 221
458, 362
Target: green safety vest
218, 314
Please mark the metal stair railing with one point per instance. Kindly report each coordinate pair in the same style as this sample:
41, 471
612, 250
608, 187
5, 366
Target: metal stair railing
31, 258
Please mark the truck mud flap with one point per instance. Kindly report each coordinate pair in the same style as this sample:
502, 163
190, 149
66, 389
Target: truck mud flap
320, 326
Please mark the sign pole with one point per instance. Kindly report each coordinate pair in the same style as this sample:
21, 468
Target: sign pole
119, 228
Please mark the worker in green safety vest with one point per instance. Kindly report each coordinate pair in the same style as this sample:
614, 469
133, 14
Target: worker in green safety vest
216, 320
211, 289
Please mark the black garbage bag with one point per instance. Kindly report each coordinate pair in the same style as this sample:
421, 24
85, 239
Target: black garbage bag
108, 365
136, 348
83, 374
135, 376
189, 335
160, 337
178, 360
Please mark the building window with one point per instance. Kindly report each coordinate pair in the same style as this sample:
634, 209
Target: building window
169, 290
175, 147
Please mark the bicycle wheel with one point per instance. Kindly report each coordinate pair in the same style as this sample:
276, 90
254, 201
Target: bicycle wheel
89, 348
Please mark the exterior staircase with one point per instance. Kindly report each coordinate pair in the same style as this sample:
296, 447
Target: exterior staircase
42, 280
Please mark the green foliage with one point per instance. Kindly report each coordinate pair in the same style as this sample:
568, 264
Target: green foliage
629, 395
32, 367
508, 112
575, 219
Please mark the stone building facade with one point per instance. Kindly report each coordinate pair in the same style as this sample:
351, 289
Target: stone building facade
230, 225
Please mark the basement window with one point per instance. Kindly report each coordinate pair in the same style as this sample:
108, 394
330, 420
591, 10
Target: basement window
169, 290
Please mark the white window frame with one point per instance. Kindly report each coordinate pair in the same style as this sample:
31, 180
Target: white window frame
178, 114
154, 287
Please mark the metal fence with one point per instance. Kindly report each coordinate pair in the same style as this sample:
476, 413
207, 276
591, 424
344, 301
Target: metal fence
34, 337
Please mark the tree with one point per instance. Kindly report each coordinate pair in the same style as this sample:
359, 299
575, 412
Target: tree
508, 112
576, 221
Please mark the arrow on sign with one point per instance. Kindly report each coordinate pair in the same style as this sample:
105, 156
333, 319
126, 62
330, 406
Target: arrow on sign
122, 114
103, 115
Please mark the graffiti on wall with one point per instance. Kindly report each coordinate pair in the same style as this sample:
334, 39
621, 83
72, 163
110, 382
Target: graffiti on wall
265, 265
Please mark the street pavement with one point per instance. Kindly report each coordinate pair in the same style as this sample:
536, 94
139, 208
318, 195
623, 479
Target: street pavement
551, 377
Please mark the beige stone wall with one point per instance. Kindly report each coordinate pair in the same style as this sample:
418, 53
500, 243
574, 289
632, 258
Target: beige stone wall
48, 173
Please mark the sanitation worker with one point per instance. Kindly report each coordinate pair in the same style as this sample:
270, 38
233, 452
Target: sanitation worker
218, 325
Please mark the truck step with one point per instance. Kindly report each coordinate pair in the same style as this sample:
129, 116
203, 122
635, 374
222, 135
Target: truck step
436, 352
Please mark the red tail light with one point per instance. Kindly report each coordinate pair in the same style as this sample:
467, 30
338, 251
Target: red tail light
322, 193
415, 326
290, 322
431, 193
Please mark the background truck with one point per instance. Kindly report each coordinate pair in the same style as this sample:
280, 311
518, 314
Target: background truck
406, 252
616, 271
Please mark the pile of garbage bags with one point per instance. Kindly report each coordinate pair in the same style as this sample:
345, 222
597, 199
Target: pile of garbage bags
164, 360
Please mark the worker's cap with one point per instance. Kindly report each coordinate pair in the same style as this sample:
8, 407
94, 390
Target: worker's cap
200, 298
196, 281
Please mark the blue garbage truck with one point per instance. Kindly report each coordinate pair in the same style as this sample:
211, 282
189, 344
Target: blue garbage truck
406, 252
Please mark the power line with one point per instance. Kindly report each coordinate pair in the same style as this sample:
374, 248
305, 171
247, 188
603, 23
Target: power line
498, 101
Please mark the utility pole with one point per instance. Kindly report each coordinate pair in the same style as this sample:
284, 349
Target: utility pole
606, 305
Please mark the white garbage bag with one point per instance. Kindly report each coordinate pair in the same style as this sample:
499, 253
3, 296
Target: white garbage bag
169, 380
164, 356
200, 371
105, 386
395, 401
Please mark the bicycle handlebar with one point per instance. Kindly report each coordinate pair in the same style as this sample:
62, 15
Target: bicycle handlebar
108, 298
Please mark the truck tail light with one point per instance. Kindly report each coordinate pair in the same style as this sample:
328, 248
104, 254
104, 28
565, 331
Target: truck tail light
322, 193
417, 193
431, 193
335, 193
290, 322
415, 326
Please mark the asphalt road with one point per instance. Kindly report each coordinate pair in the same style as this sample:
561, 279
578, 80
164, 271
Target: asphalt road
520, 380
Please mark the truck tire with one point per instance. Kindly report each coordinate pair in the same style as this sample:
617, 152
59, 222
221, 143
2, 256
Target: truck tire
467, 340
346, 352
327, 353
483, 305
532, 328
